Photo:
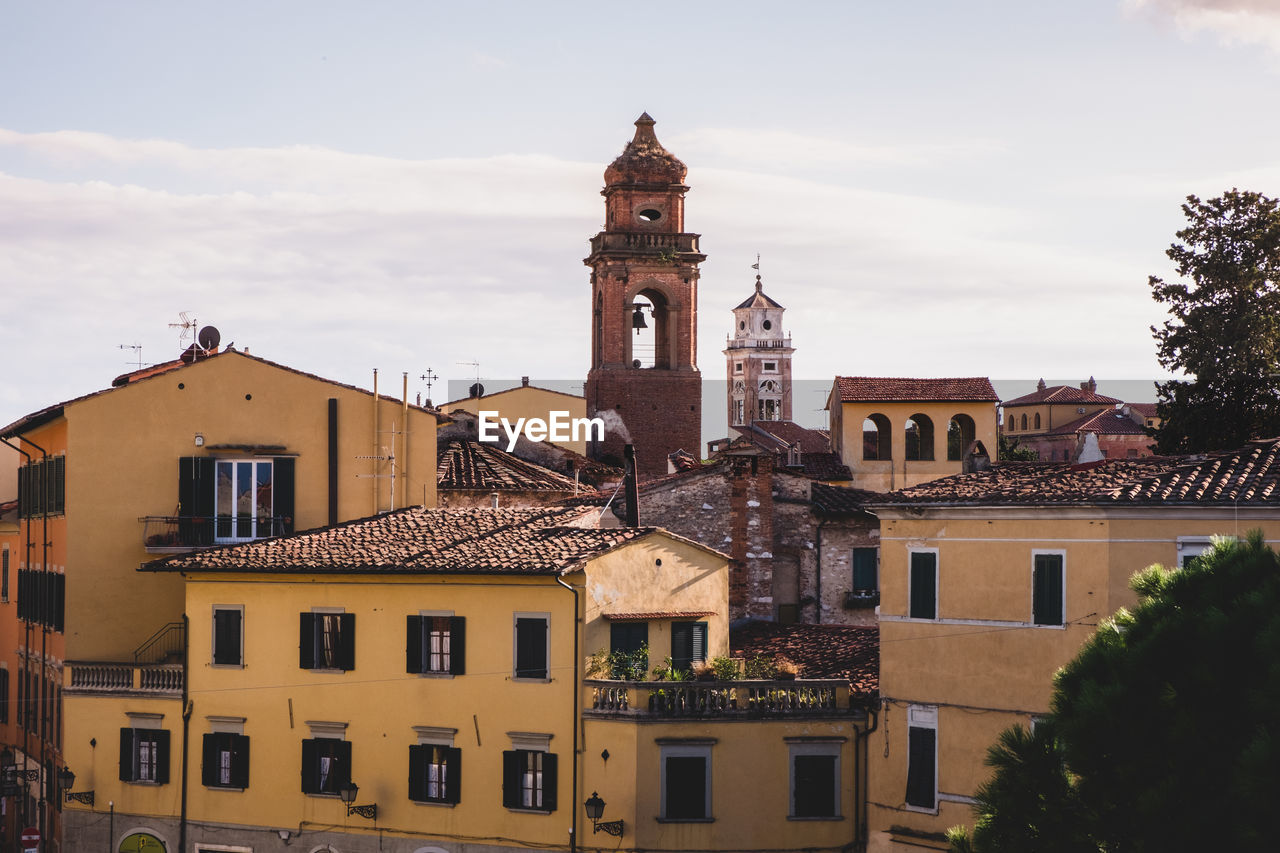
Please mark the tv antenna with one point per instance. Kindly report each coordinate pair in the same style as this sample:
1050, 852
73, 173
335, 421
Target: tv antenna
187, 325
137, 352
476, 390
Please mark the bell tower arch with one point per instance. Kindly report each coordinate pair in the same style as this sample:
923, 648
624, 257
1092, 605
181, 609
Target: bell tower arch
644, 296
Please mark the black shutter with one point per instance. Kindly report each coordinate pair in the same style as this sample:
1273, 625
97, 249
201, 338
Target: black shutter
511, 768
453, 774
921, 749
239, 761
59, 601
59, 487
209, 757
815, 786
347, 641
418, 755
195, 500
458, 645
283, 497
341, 757
1046, 594
681, 644
310, 767
126, 755
549, 781
306, 641
24, 489
924, 585
699, 636
226, 637
162, 756
531, 648
413, 652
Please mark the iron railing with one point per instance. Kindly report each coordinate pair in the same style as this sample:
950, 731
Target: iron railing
719, 699
174, 533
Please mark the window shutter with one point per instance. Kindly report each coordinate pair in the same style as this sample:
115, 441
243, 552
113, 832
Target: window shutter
531, 648
549, 781
195, 499
453, 777
126, 755
1046, 592
306, 641
162, 756
418, 755
864, 568
59, 601
59, 486
283, 498
458, 645
209, 757
921, 749
924, 585
347, 641
240, 761
226, 640
681, 644
310, 767
342, 755
699, 636
511, 778
24, 488
413, 642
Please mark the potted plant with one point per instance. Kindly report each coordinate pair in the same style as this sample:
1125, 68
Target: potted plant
788, 670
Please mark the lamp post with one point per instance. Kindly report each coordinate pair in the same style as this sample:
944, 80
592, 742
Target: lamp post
66, 779
595, 808
349, 792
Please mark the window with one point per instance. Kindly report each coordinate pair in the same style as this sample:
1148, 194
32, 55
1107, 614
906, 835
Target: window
876, 438
865, 569
144, 755
770, 366
326, 765
815, 779
737, 367
1023, 422
435, 644
529, 780
1191, 547
435, 773
739, 411
688, 643
686, 781
4, 694
228, 637
919, 438
961, 431
629, 643
1011, 427
532, 635
4, 573
924, 585
1037, 420
42, 597
1047, 588
226, 760
922, 757
327, 641
233, 500
42, 487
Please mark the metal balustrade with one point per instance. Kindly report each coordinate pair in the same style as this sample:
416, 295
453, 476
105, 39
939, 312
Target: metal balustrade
711, 699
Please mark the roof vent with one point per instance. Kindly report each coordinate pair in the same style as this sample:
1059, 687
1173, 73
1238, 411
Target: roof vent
1079, 410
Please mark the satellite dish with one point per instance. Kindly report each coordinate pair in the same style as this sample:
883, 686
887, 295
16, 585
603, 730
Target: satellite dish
476, 390
209, 337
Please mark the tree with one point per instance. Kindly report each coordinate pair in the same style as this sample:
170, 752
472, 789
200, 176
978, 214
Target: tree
1165, 724
1010, 450
1224, 331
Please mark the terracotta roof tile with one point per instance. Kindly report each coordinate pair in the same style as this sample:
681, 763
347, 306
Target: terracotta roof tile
421, 541
890, 389
465, 464
1061, 394
822, 651
816, 457
1147, 410
1106, 422
657, 614
837, 500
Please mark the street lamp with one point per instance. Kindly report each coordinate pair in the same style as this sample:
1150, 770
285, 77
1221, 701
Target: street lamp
66, 779
349, 792
595, 808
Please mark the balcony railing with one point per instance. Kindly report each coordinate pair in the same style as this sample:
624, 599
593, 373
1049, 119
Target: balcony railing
658, 244
780, 343
718, 699
123, 679
172, 534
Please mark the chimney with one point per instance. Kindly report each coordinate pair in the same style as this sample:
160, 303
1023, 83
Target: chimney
977, 459
631, 486
1040, 386
524, 381
1090, 387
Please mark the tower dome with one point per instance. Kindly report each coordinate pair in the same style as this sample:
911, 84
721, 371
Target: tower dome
644, 160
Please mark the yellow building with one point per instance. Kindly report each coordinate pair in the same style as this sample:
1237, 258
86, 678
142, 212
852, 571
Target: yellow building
894, 432
212, 448
529, 401
435, 659
993, 580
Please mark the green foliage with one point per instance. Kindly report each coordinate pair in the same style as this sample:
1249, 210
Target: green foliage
760, 667
1224, 331
1009, 451
668, 671
624, 666
1164, 734
726, 669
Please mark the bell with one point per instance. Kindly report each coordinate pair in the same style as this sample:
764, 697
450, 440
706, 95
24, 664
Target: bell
637, 320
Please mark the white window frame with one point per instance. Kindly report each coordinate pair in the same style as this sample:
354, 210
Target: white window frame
213, 636
827, 747
425, 639
937, 583
769, 367
684, 749
317, 637
515, 617
1049, 552
255, 524
1193, 546
923, 717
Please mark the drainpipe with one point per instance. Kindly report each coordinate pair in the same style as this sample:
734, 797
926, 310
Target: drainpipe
44, 568
574, 694
404, 443
26, 642
187, 707
376, 449
821, 524
860, 775
632, 487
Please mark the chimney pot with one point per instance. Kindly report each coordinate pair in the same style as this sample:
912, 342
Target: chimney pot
524, 381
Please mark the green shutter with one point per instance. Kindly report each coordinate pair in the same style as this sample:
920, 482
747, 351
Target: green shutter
282, 497
209, 758
1046, 590
511, 778
162, 756
864, 569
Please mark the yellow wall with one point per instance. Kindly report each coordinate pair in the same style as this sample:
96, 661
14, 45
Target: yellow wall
982, 662
1051, 416
122, 464
899, 472
526, 402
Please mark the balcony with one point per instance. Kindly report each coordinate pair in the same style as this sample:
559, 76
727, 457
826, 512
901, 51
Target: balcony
780, 343
860, 599
662, 245
171, 534
90, 678
719, 699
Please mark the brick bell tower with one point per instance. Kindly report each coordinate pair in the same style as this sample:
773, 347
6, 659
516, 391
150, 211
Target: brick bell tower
644, 304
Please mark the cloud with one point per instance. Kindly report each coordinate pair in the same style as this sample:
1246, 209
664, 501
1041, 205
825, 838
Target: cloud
1248, 22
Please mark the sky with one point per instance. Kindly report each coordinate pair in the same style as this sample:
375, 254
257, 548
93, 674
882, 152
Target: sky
934, 189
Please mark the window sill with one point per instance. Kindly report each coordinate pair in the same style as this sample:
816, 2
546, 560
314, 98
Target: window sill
813, 818
686, 820
437, 803
434, 674
320, 669
920, 809
225, 788
524, 679
528, 810
226, 666
148, 782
